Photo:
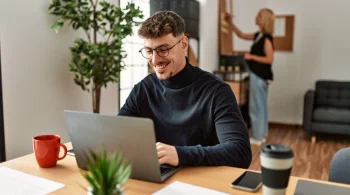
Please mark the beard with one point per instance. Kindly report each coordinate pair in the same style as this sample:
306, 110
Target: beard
163, 69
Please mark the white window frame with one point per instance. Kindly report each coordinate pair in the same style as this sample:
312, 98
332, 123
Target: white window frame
136, 67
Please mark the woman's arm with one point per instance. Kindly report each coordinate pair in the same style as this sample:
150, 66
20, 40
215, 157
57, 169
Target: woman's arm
240, 34
268, 59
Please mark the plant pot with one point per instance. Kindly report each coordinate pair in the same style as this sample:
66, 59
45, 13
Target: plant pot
237, 68
89, 191
222, 68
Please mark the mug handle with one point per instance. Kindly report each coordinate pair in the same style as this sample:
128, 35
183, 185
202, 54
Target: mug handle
65, 152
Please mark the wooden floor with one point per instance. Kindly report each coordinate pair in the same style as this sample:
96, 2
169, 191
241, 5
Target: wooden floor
311, 160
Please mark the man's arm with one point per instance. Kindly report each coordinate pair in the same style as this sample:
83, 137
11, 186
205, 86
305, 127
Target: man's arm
130, 106
234, 146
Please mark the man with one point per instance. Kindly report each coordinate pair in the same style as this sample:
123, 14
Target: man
195, 114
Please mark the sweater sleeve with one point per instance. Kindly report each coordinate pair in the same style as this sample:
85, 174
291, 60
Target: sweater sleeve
234, 146
130, 108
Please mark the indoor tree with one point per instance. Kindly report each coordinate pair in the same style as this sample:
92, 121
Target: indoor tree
97, 59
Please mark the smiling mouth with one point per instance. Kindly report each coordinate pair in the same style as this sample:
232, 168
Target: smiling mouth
161, 66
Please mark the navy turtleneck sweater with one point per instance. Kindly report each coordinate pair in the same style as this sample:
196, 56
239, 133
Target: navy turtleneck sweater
197, 113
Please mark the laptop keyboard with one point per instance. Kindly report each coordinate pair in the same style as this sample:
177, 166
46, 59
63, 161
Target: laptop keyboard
165, 170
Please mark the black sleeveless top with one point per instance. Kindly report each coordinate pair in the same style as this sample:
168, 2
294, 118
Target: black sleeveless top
262, 70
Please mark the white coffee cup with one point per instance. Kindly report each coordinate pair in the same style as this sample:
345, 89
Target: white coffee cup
276, 164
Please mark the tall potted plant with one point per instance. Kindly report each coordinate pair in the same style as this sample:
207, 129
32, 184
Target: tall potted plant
97, 59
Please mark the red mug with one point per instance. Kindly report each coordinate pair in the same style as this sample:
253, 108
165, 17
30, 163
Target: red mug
47, 150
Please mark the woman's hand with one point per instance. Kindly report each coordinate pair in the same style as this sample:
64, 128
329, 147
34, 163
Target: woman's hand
248, 56
228, 16
235, 29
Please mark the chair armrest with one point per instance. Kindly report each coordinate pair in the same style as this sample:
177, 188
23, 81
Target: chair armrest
309, 99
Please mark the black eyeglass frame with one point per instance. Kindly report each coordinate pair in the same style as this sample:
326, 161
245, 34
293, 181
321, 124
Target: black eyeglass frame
155, 49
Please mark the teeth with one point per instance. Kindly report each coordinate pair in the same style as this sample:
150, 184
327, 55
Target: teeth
161, 66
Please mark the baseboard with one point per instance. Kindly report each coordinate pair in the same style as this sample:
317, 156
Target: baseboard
284, 125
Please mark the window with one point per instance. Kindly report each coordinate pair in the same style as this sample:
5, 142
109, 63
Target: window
136, 67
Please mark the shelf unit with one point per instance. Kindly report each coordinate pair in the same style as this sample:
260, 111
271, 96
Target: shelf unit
239, 83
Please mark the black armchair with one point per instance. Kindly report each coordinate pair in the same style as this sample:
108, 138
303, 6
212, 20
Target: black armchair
327, 109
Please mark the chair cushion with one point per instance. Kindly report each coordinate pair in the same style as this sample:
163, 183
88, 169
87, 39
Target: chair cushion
334, 94
332, 115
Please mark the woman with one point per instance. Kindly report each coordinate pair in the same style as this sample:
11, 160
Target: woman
259, 62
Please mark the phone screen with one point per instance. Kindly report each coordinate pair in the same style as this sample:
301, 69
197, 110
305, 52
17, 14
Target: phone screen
248, 179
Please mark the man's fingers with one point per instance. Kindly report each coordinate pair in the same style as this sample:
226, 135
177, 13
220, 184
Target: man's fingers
160, 148
162, 160
161, 154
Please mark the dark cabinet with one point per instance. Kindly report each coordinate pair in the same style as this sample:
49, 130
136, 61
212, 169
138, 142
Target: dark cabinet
187, 9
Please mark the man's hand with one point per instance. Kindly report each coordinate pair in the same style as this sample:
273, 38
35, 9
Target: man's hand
167, 154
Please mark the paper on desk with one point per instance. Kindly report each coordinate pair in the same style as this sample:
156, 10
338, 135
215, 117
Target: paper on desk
180, 188
18, 183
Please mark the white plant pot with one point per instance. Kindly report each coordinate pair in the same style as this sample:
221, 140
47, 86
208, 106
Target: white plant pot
89, 191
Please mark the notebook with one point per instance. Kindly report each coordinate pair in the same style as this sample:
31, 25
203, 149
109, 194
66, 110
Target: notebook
180, 188
17, 182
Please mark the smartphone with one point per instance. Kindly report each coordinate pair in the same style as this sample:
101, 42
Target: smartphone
249, 181
70, 152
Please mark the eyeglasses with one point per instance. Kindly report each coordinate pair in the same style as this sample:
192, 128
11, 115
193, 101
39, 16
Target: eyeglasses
162, 51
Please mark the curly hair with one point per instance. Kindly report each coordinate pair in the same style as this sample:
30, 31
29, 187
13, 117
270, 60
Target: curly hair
162, 23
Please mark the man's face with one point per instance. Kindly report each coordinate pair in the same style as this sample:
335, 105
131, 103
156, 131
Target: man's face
167, 62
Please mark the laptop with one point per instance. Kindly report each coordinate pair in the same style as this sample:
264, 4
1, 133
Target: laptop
305, 187
132, 136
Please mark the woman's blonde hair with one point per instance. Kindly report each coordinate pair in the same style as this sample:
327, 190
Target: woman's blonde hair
267, 21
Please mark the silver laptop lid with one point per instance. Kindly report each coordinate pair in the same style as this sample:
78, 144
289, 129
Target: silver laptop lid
132, 136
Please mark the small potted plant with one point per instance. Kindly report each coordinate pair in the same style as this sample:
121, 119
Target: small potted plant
229, 68
237, 67
107, 173
222, 65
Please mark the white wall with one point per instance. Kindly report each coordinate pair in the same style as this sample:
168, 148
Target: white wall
284, 98
321, 47
245, 20
283, 95
37, 84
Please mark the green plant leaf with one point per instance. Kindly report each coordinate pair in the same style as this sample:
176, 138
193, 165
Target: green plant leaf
92, 182
107, 173
96, 60
58, 25
72, 68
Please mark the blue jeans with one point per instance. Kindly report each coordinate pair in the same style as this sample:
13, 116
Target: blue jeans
258, 106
